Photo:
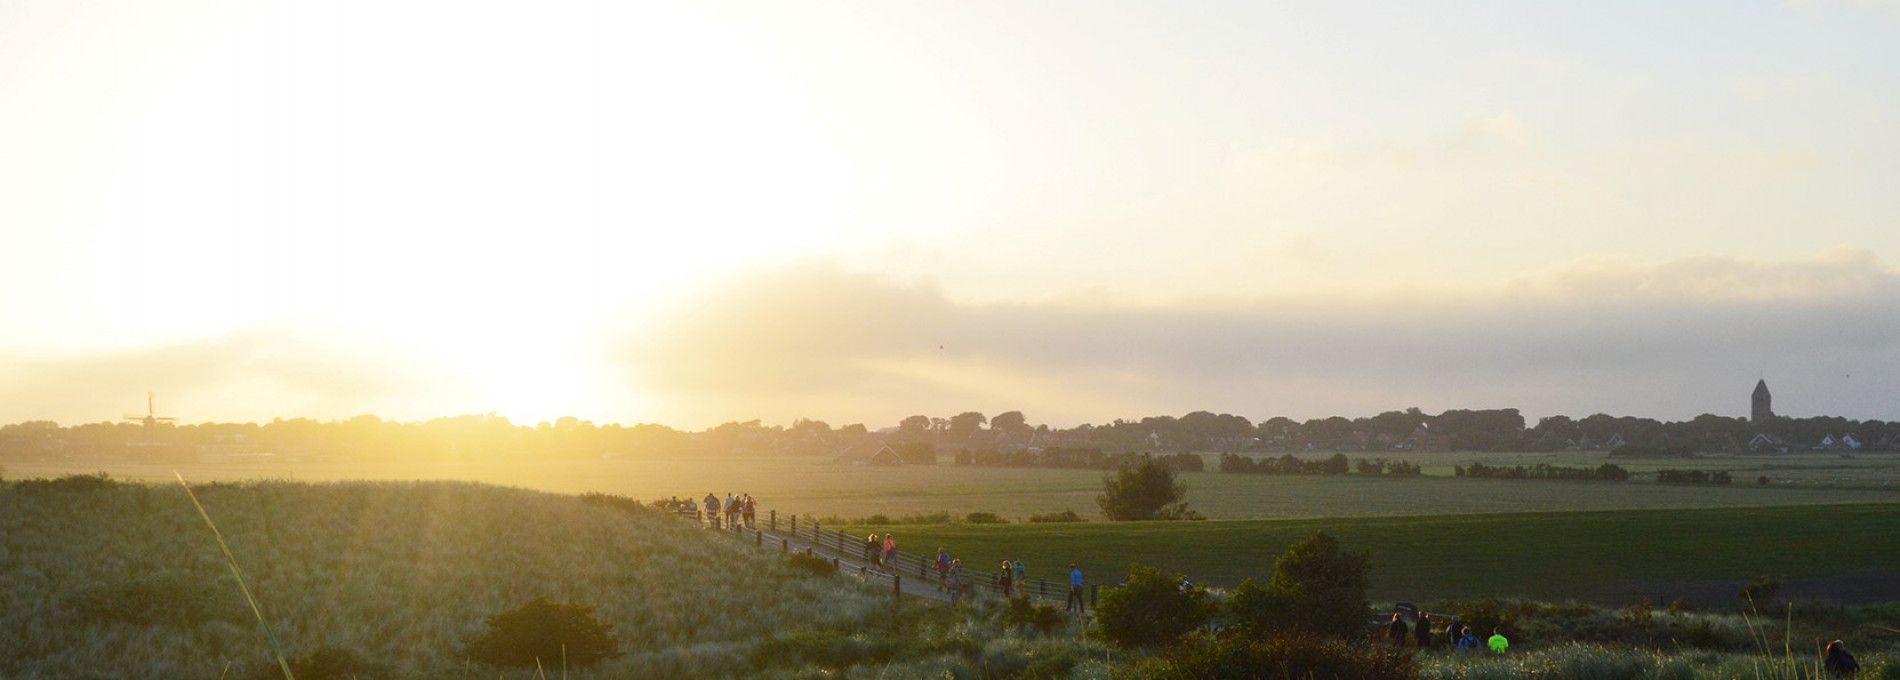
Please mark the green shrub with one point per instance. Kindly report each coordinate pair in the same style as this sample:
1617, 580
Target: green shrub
984, 518
1145, 491
1277, 658
815, 565
1317, 588
1064, 516
1151, 609
545, 633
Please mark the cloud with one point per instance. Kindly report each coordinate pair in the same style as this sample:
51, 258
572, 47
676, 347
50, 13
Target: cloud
1668, 339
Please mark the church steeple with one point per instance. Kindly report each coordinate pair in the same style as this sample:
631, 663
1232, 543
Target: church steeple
1761, 408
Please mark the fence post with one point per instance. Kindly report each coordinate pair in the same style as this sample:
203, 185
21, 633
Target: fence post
921, 573
771, 519
840, 541
758, 537
794, 525
784, 545
897, 587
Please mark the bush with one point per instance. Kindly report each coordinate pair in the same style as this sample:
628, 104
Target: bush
1317, 588
1761, 592
815, 565
1143, 492
1045, 618
1276, 658
1151, 609
327, 663
98, 481
546, 634
1064, 516
984, 518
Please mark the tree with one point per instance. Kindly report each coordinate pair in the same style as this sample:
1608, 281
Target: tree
1151, 609
964, 423
914, 425
1146, 491
1317, 588
1009, 421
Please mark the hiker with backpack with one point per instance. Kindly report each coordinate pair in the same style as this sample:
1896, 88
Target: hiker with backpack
943, 568
751, 512
712, 509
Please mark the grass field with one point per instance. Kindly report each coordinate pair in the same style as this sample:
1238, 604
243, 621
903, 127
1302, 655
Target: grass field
128, 582
819, 487
1584, 555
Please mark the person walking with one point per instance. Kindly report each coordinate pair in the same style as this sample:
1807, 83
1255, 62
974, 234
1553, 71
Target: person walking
890, 551
1395, 631
751, 510
870, 549
943, 568
1021, 586
712, 509
1838, 662
1005, 581
692, 506
953, 577
1075, 603
1424, 631
1498, 643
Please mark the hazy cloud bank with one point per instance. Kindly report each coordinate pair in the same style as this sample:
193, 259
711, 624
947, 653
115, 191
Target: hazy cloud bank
1670, 339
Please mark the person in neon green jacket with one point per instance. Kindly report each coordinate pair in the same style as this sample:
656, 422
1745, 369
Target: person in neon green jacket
1498, 643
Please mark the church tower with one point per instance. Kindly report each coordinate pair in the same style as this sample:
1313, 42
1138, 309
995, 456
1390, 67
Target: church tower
1760, 411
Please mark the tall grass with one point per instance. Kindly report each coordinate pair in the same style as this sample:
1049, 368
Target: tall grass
277, 650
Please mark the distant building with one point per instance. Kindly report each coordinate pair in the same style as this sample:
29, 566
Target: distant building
869, 452
1761, 409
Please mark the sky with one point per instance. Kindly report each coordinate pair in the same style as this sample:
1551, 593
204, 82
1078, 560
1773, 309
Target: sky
855, 211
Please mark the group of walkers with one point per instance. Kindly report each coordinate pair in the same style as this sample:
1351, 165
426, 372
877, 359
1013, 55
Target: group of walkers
1009, 579
1457, 635
739, 512
880, 553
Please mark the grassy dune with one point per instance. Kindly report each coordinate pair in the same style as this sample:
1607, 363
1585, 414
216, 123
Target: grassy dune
399, 573
1542, 555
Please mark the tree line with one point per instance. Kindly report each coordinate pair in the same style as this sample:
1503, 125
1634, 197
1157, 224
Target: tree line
486, 435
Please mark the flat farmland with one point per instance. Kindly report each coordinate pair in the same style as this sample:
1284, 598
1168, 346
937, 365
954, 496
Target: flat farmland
1837, 552
817, 486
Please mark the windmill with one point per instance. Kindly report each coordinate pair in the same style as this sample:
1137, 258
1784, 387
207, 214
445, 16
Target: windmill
151, 418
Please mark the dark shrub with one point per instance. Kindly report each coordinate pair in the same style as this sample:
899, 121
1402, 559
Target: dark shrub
984, 518
163, 598
327, 663
1064, 516
1151, 609
545, 632
1144, 491
1317, 588
1277, 658
1483, 615
1045, 618
98, 481
815, 565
